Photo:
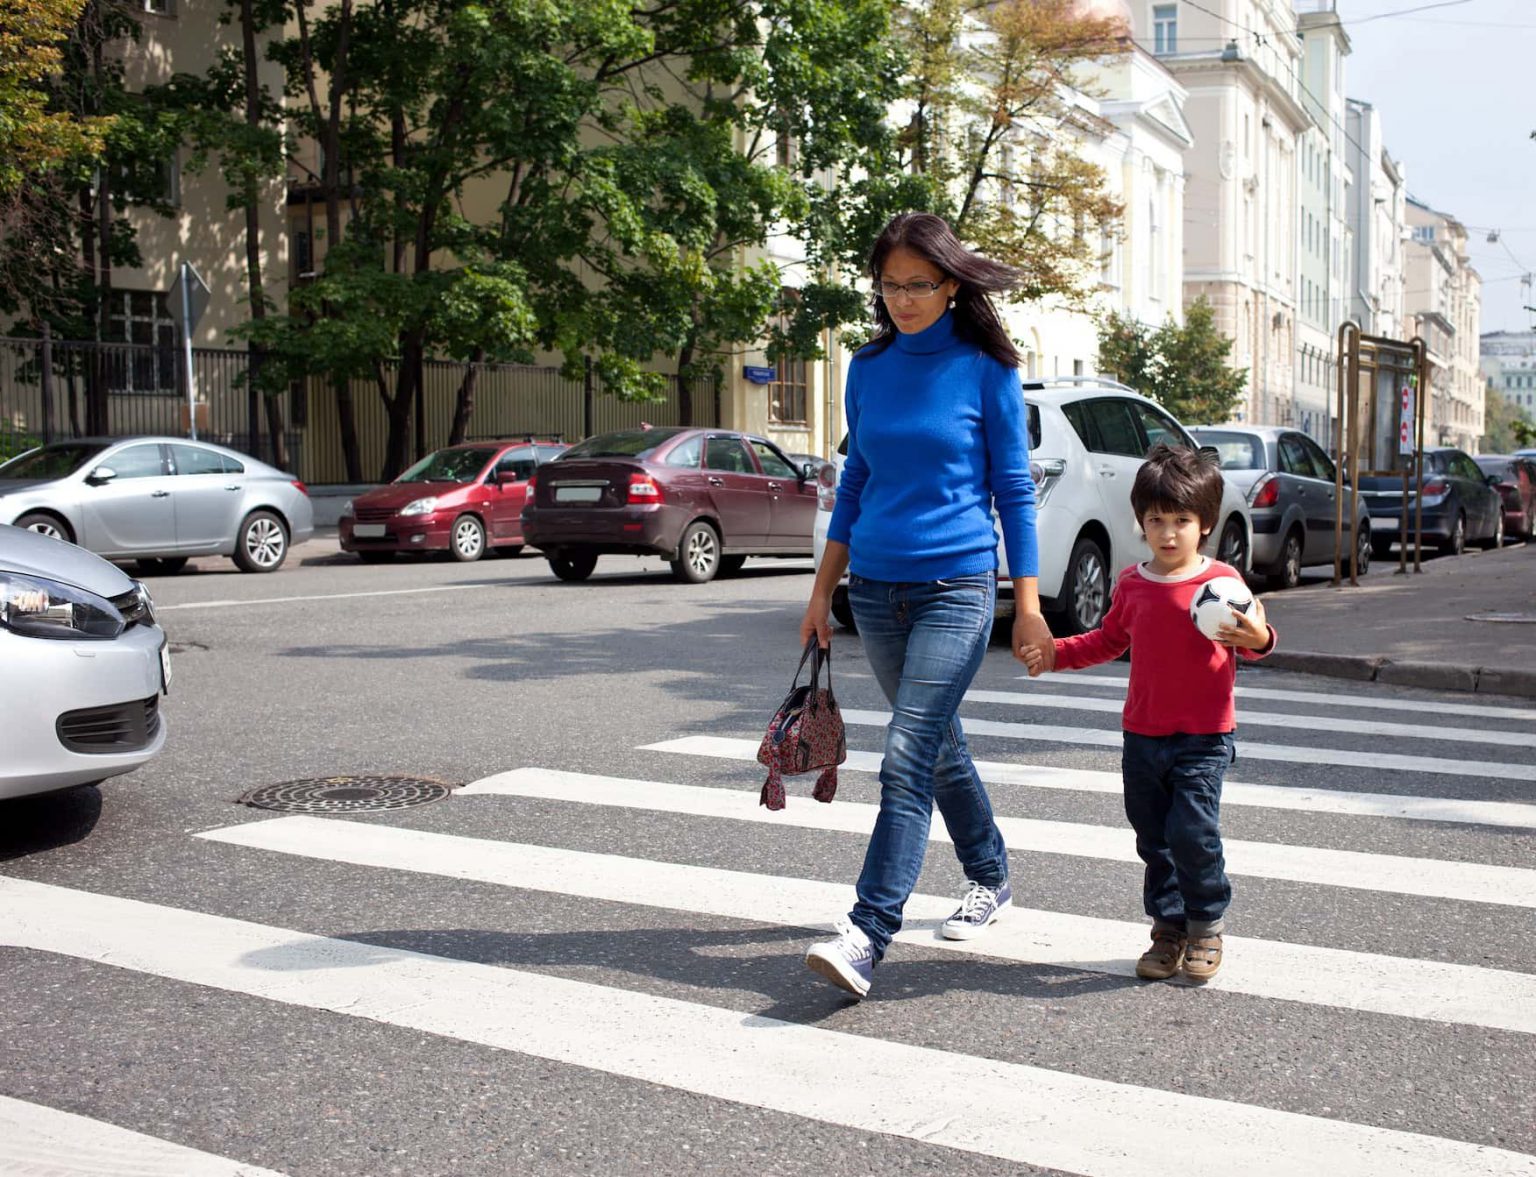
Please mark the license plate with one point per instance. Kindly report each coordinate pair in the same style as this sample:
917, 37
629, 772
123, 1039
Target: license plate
368, 530
578, 494
165, 669
1385, 524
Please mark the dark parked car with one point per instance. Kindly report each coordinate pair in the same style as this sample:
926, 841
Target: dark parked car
705, 499
1460, 505
464, 499
1517, 488
1289, 481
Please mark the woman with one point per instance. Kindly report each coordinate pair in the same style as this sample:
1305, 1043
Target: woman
936, 436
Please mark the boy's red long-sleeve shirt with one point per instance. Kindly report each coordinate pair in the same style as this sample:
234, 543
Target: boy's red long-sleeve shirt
1181, 681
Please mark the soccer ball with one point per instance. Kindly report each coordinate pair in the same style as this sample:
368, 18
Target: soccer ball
1217, 603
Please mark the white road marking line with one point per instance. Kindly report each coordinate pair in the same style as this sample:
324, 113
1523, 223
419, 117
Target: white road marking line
1322, 698
1298, 723
1054, 1119
232, 603
1468, 881
1429, 990
38, 1141
1082, 780
1103, 738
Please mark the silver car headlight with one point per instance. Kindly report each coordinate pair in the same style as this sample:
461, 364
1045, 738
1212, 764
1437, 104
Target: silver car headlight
420, 506
36, 608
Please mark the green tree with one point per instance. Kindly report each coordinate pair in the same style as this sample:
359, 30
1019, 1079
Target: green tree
1502, 422
1182, 367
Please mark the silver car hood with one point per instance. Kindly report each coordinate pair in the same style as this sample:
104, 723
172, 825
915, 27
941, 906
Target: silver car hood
31, 554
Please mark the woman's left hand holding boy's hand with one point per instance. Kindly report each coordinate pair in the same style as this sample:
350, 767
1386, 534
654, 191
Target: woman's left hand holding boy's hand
1033, 644
1251, 631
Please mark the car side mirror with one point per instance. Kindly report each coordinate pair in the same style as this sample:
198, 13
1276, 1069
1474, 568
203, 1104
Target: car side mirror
1493, 480
101, 475
809, 471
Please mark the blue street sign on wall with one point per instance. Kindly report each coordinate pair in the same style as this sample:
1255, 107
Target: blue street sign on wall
759, 374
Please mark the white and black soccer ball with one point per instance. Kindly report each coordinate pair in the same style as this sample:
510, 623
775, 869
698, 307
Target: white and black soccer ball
1217, 603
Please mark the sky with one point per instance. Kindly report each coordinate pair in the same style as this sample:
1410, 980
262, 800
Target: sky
1456, 89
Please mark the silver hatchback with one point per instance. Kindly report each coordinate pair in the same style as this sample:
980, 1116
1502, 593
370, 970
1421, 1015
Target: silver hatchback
157, 500
1289, 482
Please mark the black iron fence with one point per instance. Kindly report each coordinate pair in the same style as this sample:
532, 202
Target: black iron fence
63, 389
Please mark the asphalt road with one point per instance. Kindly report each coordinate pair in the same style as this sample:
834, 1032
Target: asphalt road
551, 973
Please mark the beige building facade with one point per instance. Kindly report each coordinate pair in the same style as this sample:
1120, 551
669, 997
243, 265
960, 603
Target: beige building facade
1443, 305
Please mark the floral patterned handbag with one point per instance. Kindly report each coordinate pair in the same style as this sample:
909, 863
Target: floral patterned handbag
806, 733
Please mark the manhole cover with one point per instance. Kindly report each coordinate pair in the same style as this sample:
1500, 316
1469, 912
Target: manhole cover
346, 794
1504, 618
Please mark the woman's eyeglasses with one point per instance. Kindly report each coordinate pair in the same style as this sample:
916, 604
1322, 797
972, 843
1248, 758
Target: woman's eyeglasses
890, 290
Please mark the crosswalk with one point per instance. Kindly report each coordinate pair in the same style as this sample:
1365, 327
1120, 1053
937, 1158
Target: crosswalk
678, 839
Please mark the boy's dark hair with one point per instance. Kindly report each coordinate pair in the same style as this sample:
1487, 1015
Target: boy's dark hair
1179, 479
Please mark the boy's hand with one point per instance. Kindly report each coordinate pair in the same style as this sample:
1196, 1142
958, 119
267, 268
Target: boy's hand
1033, 644
1251, 631
1035, 659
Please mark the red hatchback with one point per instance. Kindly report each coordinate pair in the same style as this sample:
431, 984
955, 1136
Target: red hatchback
463, 499
705, 499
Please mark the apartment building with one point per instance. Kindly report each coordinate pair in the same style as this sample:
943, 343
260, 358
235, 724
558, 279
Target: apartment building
1442, 305
1508, 365
1378, 216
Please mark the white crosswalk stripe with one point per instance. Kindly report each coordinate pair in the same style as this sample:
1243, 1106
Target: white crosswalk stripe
1347, 980
1044, 776
1056, 1120
1468, 881
1298, 753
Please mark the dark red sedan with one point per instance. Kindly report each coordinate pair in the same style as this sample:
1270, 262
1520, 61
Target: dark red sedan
463, 499
705, 499
1516, 484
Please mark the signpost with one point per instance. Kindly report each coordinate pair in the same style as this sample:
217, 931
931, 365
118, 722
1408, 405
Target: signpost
186, 302
1405, 418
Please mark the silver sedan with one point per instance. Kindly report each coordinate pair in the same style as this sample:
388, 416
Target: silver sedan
157, 500
82, 667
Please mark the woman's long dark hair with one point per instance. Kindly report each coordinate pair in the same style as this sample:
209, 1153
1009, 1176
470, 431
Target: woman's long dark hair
976, 319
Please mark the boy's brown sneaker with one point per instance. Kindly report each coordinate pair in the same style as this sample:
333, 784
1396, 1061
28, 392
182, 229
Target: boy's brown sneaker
1202, 957
1162, 960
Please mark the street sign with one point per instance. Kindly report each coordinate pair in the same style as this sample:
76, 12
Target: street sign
1405, 420
186, 301
759, 374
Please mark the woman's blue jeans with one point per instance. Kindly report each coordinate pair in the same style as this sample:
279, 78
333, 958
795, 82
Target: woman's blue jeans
925, 643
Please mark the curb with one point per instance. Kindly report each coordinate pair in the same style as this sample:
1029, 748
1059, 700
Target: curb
1436, 676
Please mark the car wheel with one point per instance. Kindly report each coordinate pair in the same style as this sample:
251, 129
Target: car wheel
731, 565
1287, 573
45, 524
376, 557
574, 567
261, 545
698, 555
1496, 540
161, 565
1363, 550
842, 610
1087, 586
1456, 542
466, 539
1233, 548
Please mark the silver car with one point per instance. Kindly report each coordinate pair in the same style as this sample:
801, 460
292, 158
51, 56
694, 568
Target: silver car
1289, 481
82, 667
157, 500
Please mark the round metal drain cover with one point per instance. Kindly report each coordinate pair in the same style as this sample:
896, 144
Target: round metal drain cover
1504, 618
346, 794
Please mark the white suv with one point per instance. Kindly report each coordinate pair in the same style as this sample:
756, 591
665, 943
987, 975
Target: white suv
1087, 437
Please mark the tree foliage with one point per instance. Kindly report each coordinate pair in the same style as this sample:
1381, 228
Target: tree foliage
1506, 426
1183, 368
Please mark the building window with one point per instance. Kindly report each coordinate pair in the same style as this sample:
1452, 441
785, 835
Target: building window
141, 318
788, 395
160, 7
1165, 28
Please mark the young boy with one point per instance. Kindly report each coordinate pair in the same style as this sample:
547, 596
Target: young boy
1178, 716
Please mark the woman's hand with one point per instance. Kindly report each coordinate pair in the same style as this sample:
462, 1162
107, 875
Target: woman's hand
1251, 630
1033, 644
817, 621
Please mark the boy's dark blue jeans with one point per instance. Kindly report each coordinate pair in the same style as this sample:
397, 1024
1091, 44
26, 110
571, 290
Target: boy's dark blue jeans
1173, 800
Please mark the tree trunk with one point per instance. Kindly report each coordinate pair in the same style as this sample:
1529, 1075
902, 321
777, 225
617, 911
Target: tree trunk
464, 403
397, 408
346, 417
96, 413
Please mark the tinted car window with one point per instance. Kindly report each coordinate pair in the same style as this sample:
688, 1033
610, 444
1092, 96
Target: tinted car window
686, 454
625, 443
518, 463
771, 461
1502, 467
450, 466
1114, 428
1076, 414
1294, 458
192, 459
1321, 462
727, 453
548, 453
1160, 427
1238, 451
52, 461
137, 461
1464, 467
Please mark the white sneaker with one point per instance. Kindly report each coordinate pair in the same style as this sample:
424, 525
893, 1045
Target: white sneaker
848, 962
981, 907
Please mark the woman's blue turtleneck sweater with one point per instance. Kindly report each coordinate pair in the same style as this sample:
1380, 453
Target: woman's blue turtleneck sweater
936, 434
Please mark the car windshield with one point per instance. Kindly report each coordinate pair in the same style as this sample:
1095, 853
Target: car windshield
627, 443
52, 461
1239, 451
1503, 467
449, 466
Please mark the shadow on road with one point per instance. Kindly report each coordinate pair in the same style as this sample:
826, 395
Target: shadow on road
36, 824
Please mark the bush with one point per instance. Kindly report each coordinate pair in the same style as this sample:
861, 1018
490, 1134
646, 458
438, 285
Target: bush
13, 442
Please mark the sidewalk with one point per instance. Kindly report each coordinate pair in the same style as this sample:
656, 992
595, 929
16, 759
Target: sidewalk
1414, 629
